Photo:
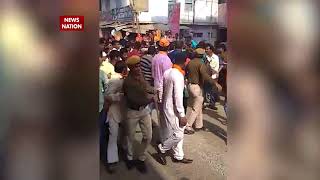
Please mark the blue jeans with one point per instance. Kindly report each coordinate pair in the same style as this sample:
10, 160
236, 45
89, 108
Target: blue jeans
103, 136
210, 95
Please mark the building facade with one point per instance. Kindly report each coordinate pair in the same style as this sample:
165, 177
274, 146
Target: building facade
222, 21
199, 16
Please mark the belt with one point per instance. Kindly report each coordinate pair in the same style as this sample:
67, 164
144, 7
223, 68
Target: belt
136, 107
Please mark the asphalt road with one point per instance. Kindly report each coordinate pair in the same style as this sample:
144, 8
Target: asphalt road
207, 149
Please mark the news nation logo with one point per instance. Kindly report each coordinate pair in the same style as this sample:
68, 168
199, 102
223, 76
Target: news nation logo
71, 23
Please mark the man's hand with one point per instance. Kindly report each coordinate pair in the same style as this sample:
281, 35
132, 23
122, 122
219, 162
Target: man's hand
183, 122
106, 106
218, 87
158, 96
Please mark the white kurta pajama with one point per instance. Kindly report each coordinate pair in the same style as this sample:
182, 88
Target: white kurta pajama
173, 109
114, 115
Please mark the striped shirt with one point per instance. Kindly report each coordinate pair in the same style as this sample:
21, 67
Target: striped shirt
146, 68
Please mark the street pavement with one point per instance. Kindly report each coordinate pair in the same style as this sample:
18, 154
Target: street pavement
207, 149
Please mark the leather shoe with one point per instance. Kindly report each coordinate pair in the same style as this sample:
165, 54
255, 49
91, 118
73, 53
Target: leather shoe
141, 166
111, 168
201, 129
189, 132
161, 156
184, 161
130, 164
213, 107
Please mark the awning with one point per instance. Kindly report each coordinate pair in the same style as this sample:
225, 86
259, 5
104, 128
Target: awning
118, 28
162, 27
112, 24
143, 28
105, 23
134, 30
184, 27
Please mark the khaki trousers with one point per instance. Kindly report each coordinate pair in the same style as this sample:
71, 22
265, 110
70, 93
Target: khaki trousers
144, 119
194, 110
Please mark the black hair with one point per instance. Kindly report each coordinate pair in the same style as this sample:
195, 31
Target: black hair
113, 54
101, 54
123, 42
222, 46
102, 40
123, 50
190, 53
151, 43
210, 46
171, 46
179, 44
115, 42
143, 43
120, 66
162, 48
152, 50
180, 58
201, 44
128, 45
137, 45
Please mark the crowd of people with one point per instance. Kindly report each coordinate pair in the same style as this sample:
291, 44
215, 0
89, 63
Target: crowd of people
175, 79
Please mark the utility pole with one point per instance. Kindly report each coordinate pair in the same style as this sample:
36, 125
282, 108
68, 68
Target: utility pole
135, 16
194, 11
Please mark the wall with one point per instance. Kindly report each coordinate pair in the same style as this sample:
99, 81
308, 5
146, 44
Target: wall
211, 38
158, 12
117, 4
222, 18
206, 11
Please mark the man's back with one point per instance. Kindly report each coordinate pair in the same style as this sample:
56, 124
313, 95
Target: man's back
108, 69
136, 91
160, 63
214, 64
146, 68
173, 91
193, 71
114, 91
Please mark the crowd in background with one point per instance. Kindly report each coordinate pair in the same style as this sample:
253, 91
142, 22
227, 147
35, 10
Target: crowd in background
175, 77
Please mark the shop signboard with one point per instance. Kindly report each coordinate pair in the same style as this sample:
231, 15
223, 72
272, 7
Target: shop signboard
122, 14
174, 18
141, 5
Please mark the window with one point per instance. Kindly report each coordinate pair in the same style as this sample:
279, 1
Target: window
197, 35
188, 7
209, 2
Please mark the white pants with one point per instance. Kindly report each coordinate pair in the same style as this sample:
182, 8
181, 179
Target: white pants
174, 140
164, 134
113, 139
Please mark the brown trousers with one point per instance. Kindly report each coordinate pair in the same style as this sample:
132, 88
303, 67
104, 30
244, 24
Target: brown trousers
194, 110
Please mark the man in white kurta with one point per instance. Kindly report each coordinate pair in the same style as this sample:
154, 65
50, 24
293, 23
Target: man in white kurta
116, 113
174, 113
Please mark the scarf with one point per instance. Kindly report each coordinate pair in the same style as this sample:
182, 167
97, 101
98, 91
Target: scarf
179, 69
